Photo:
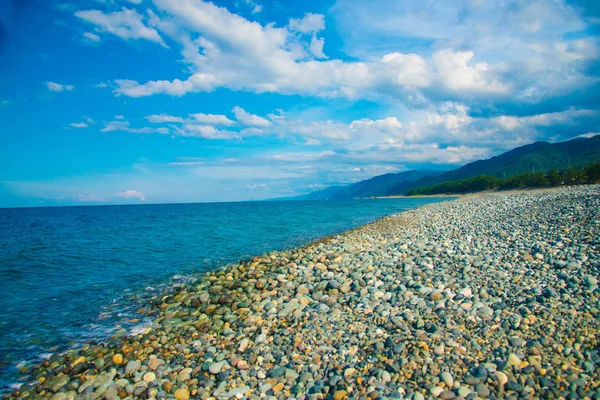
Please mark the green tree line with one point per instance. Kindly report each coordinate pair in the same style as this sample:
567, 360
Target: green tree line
570, 176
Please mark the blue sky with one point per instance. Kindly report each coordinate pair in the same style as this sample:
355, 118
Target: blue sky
142, 101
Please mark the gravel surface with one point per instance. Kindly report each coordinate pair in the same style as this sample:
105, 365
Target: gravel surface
484, 297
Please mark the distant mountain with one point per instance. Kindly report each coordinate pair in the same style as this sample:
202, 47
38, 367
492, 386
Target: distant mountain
377, 186
539, 156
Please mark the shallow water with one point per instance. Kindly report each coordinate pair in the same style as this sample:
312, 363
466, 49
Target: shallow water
72, 274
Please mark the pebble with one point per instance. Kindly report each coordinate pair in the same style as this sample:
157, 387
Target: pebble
118, 359
182, 394
149, 377
217, 367
447, 379
490, 296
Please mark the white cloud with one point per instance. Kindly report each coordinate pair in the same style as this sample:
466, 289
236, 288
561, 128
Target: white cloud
212, 119
127, 24
57, 87
316, 47
226, 50
135, 1
101, 85
310, 23
254, 6
255, 186
91, 37
123, 126
91, 198
206, 132
78, 125
248, 119
162, 118
132, 194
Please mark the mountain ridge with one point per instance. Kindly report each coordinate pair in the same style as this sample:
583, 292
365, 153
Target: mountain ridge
538, 156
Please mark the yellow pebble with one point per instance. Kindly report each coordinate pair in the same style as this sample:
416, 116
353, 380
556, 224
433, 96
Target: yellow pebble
182, 394
278, 387
79, 360
340, 395
118, 359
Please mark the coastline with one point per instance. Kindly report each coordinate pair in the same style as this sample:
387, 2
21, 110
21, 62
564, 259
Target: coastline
475, 194
398, 307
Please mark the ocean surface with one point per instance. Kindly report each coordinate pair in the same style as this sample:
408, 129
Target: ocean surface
74, 274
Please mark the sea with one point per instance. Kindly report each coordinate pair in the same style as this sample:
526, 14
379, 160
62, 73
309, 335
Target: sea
71, 275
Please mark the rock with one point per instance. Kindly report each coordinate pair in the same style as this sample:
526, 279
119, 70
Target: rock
482, 390
238, 392
501, 378
118, 359
435, 296
590, 281
154, 363
182, 394
447, 378
485, 312
131, 367
217, 367
56, 383
439, 350
436, 391
277, 372
514, 360
243, 345
340, 395
149, 377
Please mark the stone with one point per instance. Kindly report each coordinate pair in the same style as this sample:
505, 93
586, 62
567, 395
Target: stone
482, 390
131, 367
217, 367
182, 394
118, 359
154, 363
514, 360
447, 378
340, 395
501, 378
149, 377
57, 383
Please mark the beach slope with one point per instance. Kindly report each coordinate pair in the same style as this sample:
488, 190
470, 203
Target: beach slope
491, 296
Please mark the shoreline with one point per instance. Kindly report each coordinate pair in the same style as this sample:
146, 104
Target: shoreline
271, 325
477, 194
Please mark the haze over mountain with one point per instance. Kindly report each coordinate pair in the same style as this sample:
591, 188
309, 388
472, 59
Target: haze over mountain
539, 156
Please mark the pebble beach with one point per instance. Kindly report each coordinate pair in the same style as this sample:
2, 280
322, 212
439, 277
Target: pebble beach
491, 296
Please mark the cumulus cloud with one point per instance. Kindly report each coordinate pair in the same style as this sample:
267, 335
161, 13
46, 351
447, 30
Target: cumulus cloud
91, 37
78, 125
248, 119
212, 119
310, 23
132, 194
57, 87
162, 118
236, 53
127, 24
123, 126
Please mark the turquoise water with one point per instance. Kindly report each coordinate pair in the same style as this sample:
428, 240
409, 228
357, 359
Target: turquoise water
74, 274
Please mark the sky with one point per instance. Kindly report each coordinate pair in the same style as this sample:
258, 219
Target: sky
152, 101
